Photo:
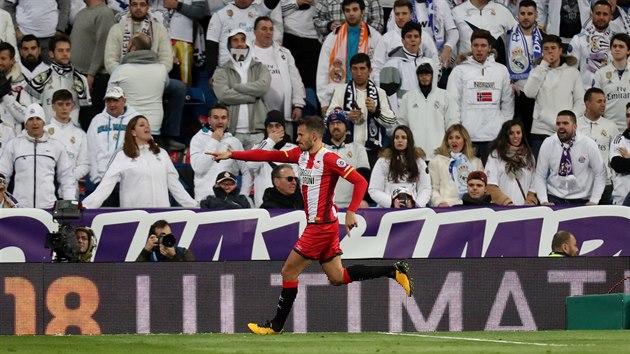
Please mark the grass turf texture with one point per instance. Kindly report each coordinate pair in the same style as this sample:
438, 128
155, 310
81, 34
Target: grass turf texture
426, 342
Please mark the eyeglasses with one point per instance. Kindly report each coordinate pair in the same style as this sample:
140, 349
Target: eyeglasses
289, 178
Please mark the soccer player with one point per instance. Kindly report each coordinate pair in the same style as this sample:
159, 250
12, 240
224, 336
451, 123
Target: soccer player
319, 169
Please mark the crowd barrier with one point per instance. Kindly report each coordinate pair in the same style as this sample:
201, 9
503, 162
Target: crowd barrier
258, 234
200, 297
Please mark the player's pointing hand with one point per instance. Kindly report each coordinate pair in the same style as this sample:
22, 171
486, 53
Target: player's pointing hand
220, 155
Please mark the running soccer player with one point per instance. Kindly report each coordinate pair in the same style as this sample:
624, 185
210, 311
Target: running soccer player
320, 169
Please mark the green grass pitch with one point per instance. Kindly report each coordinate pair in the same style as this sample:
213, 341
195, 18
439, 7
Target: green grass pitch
345, 343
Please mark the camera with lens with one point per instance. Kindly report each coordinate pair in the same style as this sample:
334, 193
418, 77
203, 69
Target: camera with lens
168, 240
63, 241
404, 198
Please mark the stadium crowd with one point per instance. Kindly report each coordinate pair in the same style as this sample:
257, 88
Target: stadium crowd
435, 102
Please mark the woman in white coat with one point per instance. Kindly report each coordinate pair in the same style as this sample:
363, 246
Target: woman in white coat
145, 172
510, 167
400, 165
449, 169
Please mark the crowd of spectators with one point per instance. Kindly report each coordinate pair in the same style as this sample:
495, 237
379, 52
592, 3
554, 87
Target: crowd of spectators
437, 102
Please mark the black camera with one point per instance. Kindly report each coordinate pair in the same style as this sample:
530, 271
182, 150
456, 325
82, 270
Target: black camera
63, 241
168, 240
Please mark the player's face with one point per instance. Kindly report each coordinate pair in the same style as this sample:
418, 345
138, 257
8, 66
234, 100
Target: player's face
228, 185
6, 62
552, 53
400, 140
476, 188
619, 50
35, 127
412, 41
286, 182
480, 49
218, 119
455, 141
337, 130
30, 51
115, 106
597, 104
360, 73
61, 54
402, 15
63, 109
304, 138
353, 14
138, 9
425, 79
83, 241
571, 247
601, 17
142, 132
264, 33
565, 127
527, 16
516, 135
274, 127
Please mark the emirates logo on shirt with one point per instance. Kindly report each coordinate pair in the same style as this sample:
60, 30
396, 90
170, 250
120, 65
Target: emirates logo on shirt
484, 96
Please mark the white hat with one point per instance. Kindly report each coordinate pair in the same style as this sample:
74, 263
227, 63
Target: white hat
233, 33
34, 110
114, 92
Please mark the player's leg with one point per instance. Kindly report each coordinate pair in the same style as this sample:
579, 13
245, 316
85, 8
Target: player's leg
292, 268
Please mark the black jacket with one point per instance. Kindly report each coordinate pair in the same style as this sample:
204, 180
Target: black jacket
222, 200
468, 200
273, 199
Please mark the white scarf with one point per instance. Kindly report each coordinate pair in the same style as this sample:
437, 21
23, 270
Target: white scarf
146, 27
599, 44
519, 58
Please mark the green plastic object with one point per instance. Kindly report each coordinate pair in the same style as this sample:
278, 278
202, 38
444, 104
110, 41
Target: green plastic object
606, 311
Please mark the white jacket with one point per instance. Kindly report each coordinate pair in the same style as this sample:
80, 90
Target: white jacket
602, 131
261, 171
555, 89
6, 134
355, 155
589, 175
381, 187
497, 175
145, 182
74, 140
37, 163
206, 169
13, 105
325, 88
106, 135
428, 117
617, 92
295, 93
494, 17
443, 189
484, 94
549, 14
392, 40
621, 181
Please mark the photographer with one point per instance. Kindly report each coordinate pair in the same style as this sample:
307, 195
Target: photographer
402, 199
86, 242
160, 246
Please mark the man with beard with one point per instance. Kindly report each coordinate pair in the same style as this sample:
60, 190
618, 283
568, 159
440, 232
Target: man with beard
564, 245
13, 96
31, 58
591, 47
569, 170
428, 110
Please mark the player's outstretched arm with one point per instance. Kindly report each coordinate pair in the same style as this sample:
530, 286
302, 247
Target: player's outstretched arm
220, 155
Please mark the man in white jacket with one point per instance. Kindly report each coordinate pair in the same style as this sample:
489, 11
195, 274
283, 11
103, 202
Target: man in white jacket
482, 88
556, 85
288, 99
213, 137
428, 110
37, 160
13, 96
569, 170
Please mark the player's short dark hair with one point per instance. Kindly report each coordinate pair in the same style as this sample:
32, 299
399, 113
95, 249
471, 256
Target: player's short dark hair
345, 3
410, 26
52, 44
219, 105
622, 37
551, 38
29, 38
313, 124
361, 58
568, 113
559, 238
262, 18
482, 34
62, 95
527, 3
160, 224
403, 3
7, 46
589, 93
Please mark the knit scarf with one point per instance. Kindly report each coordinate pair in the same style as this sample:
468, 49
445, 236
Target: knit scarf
519, 58
61, 69
517, 161
438, 35
459, 167
79, 82
373, 127
599, 43
338, 62
145, 27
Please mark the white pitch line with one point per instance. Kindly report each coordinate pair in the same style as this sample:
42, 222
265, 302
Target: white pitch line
476, 339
